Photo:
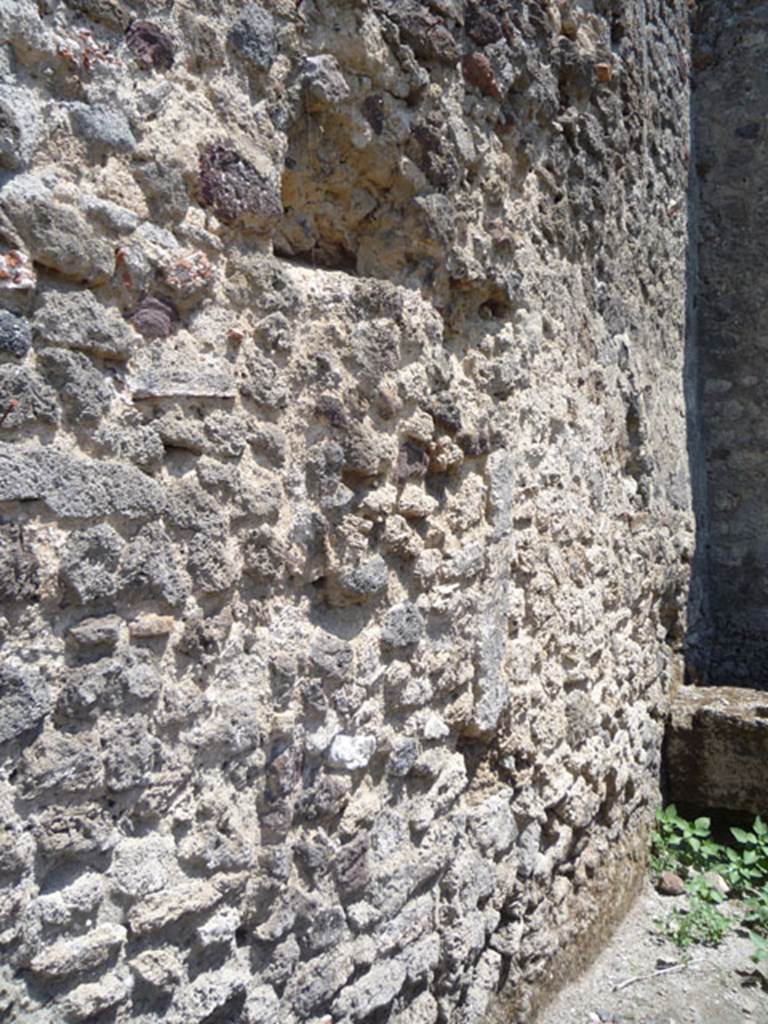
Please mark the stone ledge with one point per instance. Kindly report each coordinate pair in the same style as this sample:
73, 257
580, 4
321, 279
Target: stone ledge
717, 748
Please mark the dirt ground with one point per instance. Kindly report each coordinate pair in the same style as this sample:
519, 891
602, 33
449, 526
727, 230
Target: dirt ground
642, 978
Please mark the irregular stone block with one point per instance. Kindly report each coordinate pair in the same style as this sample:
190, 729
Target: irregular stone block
160, 909
323, 81
55, 234
102, 127
79, 488
89, 562
254, 37
150, 625
403, 626
150, 568
350, 866
19, 577
57, 762
15, 335
104, 632
151, 47
160, 968
86, 393
315, 983
209, 995
142, 866
73, 830
25, 398
78, 320
154, 317
131, 752
20, 127
356, 584
717, 748
374, 991
238, 192
201, 377
77, 955
351, 752
93, 998
25, 699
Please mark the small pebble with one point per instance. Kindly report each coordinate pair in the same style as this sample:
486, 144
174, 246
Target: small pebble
670, 884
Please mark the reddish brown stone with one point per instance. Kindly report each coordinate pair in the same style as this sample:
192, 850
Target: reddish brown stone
478, 72
151, 47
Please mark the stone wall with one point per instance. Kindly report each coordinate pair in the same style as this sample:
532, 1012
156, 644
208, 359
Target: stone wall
730, 637
345, 506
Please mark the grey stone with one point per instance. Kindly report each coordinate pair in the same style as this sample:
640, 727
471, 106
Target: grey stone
83, 690
78, 320
374, 991
210, 994
150, 568
198, 377
210, 562
103, 127
403, 757
139, 444
254, 37
15, 335
327, 929
227, 438
25, 398
77, 955
267, 440
315, 983
142, 866
111, 216
359, 583
19, 569
25, 699
61, 763
423, 1010
84, 390
260, 380
332, 658
262, 1005
55, 234
139, 675
326, 799
160, 968
20, 127
403, 626
100, 633
351, 753
92, 998
89, 563
165, 189
324, 83
350, 866
80, 488
130, 755
158, 910
264, 555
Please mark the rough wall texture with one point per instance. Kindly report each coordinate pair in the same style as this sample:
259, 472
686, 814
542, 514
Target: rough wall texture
731, 321
345, 515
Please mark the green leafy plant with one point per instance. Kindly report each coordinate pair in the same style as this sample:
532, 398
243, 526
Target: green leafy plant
679, 844
702, 924
688, 849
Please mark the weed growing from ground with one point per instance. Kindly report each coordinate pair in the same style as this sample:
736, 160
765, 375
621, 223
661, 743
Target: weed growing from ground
709, 870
